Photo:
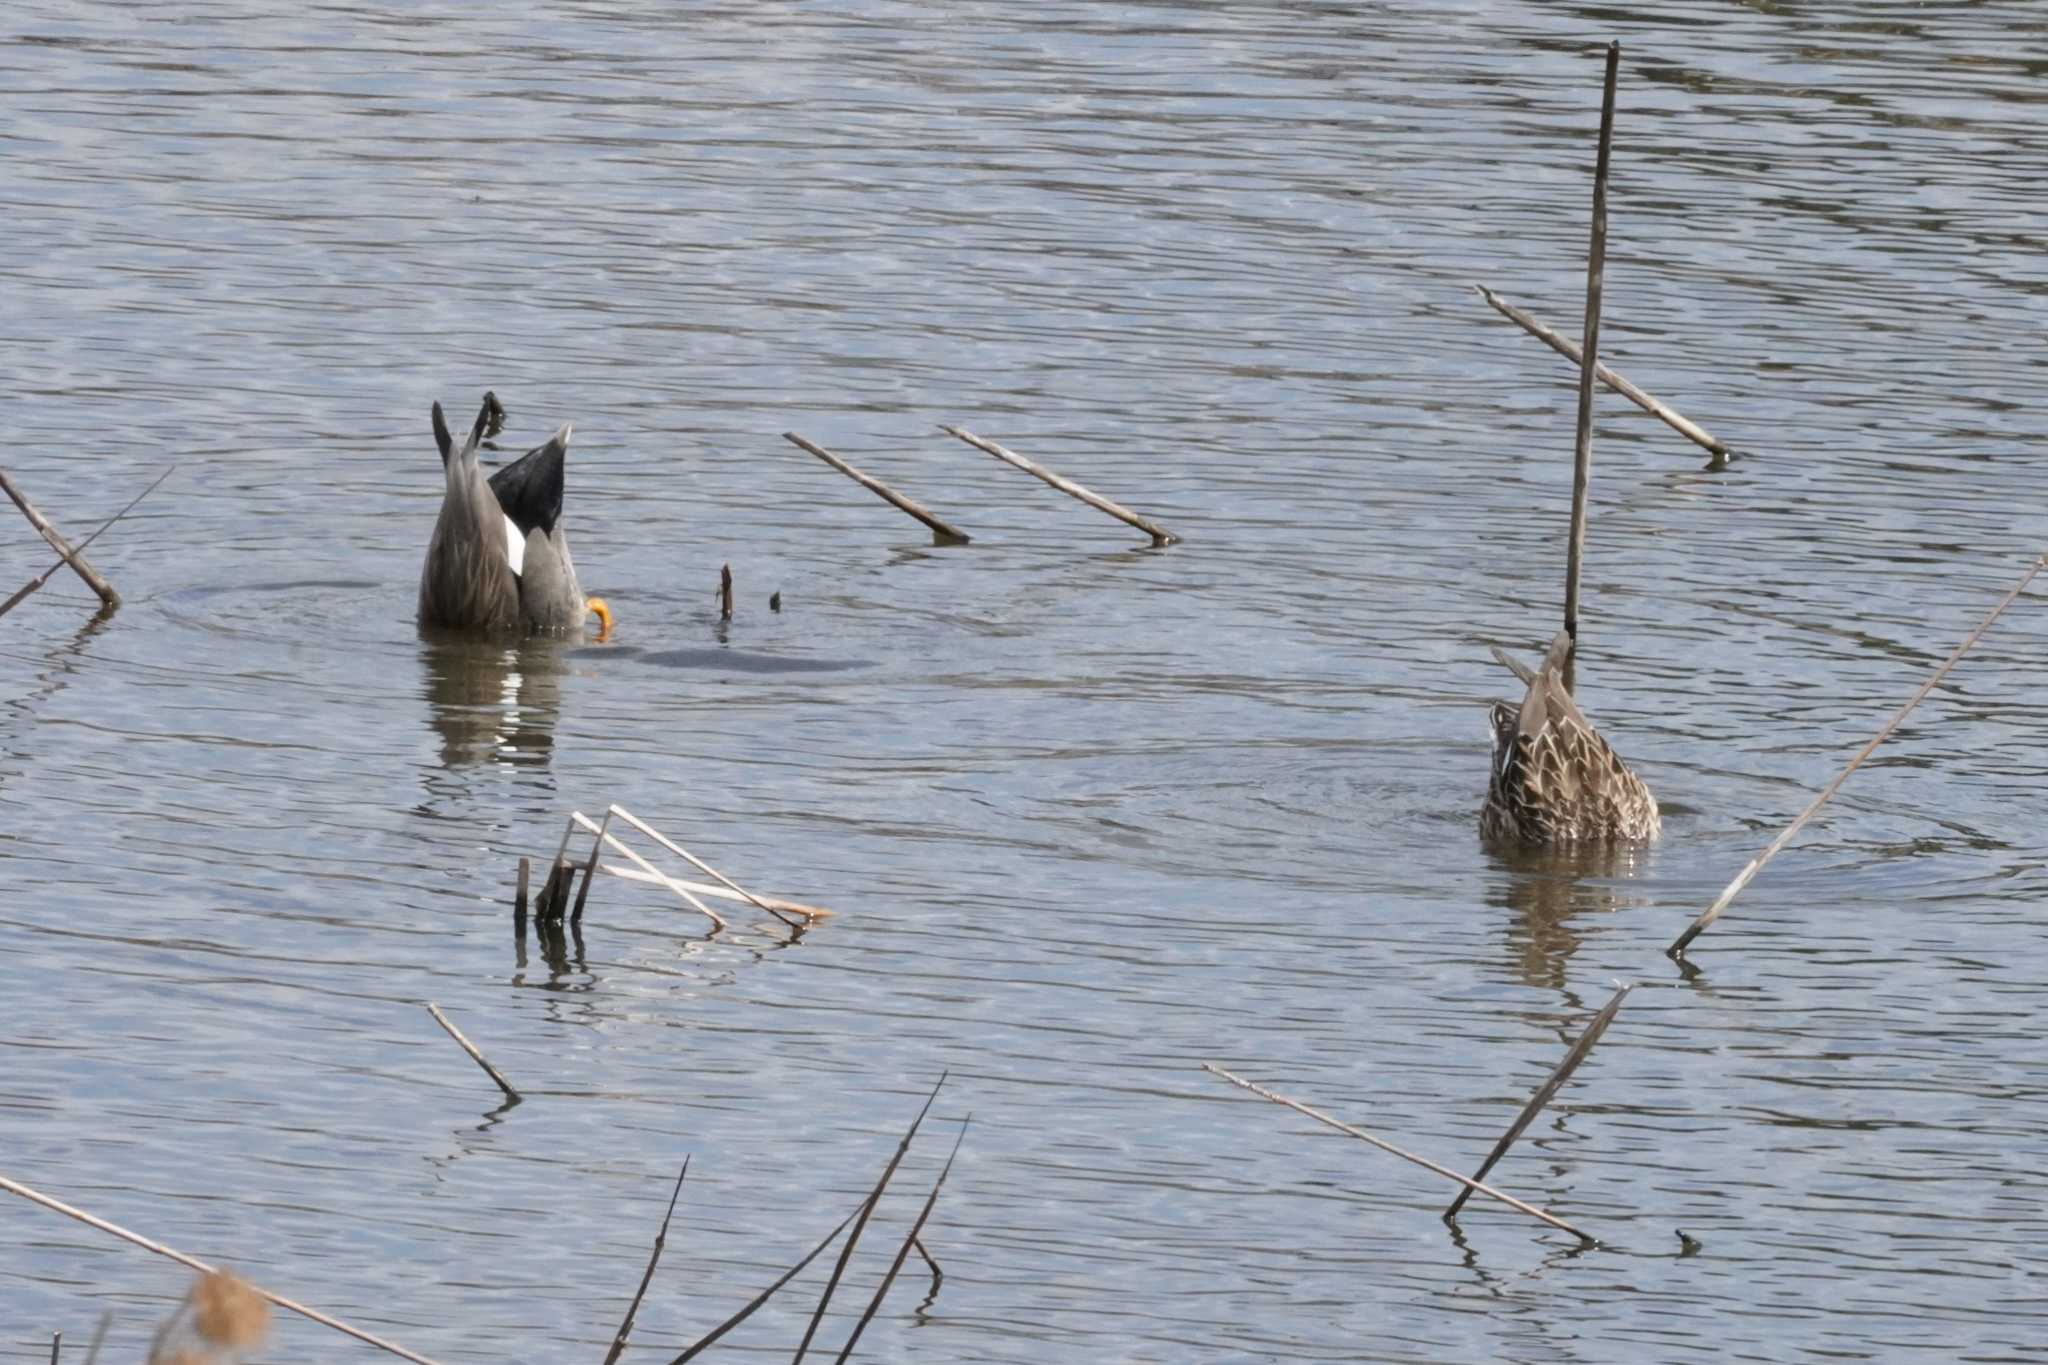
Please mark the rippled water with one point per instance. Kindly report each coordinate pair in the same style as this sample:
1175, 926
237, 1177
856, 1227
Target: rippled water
1090, 813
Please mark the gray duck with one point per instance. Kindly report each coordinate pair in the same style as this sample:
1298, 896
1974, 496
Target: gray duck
499, 558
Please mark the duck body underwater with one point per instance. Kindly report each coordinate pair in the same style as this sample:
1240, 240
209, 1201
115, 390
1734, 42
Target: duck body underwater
499, 562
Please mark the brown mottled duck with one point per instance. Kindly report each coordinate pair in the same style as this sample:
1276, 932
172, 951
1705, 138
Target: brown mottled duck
499, 558
1555, 781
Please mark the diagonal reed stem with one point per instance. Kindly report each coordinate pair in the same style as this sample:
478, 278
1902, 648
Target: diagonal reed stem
1582, 460
194, 1263
861, 1221
1742, 878
1544, 1093
903, 1252
737, 1318
942, 532
647, 1277
471, 1049
1389, 1147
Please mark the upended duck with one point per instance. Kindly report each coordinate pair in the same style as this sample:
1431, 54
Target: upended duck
1555, 781
499, 559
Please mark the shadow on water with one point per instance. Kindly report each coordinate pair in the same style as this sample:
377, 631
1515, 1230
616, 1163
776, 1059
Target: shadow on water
1554, 896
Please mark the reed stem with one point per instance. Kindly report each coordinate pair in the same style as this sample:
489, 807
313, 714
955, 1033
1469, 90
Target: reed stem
943, 533
1160, 535
1582, 464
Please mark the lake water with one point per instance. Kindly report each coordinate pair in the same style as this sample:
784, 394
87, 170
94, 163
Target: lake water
1090, 813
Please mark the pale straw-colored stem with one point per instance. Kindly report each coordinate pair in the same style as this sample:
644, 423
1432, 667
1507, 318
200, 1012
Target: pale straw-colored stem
1160, 535
71, 556
942, 532
611, 841
1742, 878
1385, 1146
693, 860
194, 1263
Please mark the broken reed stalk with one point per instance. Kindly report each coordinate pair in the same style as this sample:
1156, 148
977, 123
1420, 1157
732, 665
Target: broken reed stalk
519, 898
1160, 535
1582, 454
474, 1055
611, 841
1713, 912
99, 1335
861, 1221
194, 1263
662, 879
1385, 1146
725, 592
35, 584
71, 555
653, 1260
590, 869
942, 532
56, 1346
693, 860
1677, 421
1545, 1093
903, 1252
711, 1337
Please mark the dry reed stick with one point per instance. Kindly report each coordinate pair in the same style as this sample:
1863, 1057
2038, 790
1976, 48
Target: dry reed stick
773, 903
1544, 1093
35, 584
56, 1346
474, 1055
1582, 455
1386, 1146
942, 532
611, 841
903, 1252
194, 1263
1678, 422
861, 1221
694, 861
646, 1278
57, 542
1742, 878
1160, 535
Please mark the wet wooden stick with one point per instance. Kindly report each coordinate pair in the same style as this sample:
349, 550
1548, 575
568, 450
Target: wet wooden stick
56, 1346
590, 871
1677, 421
1582, 457
725, 592
57, 542
943, 533
35, 584
474, 1055
654, 874
1742, 878
1544, 1093
194, 1263
694, 861
519, 897
1385, 1146
1160, 535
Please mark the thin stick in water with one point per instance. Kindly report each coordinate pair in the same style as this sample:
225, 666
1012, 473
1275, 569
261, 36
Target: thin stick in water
725, 592
1544, 1093
1160, 535
194, 1263
71, 555
903, 1252
1678, 422
694, 861
660, 1240
1742, 878
56, 1346
519, 897
99, 1335
474, 1055
611, 841
1582, 461
943, 533
774, 903
861, 1221
753, 1304
35, 584
1389, 1147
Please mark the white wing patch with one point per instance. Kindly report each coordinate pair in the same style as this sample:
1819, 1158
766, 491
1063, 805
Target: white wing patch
515, 546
